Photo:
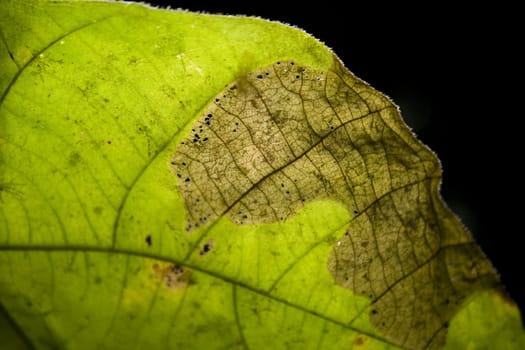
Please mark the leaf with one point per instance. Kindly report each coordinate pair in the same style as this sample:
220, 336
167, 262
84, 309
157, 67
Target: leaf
179, 180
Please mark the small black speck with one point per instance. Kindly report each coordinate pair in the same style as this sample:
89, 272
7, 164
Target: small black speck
187, 179
236, 123
245, 216
234, 130
173, 163
208, 122
279, 62
374, 311
205, 139
210, 115
182, 143
197, 136
179, 176
287, 192
195, 140
282, 185
267, 74
109, 142
445, 325
331, 128
193, 130
259, 76
205, 249
297, 76
217, 100
233, 87
148, 240
177, 269
292, 63
183, 163
356, 211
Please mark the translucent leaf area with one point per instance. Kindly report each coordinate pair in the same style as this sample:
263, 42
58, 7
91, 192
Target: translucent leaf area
171, 180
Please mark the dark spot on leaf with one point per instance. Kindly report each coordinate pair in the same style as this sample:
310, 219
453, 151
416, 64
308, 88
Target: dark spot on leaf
98, 210
148, 240
359, 341
74, 159
206, 248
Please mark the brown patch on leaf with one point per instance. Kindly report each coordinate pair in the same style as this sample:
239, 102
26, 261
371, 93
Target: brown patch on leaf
286, 135
172, 276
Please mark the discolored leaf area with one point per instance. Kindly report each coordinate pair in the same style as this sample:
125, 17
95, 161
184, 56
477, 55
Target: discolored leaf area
178, 180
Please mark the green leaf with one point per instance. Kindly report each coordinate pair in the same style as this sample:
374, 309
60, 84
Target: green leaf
180, 180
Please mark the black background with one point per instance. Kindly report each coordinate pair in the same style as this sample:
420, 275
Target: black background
454, 72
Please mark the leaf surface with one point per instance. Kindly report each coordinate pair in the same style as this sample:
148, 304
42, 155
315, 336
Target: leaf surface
180, 180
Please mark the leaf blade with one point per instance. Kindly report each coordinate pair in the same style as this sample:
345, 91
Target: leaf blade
115, 200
